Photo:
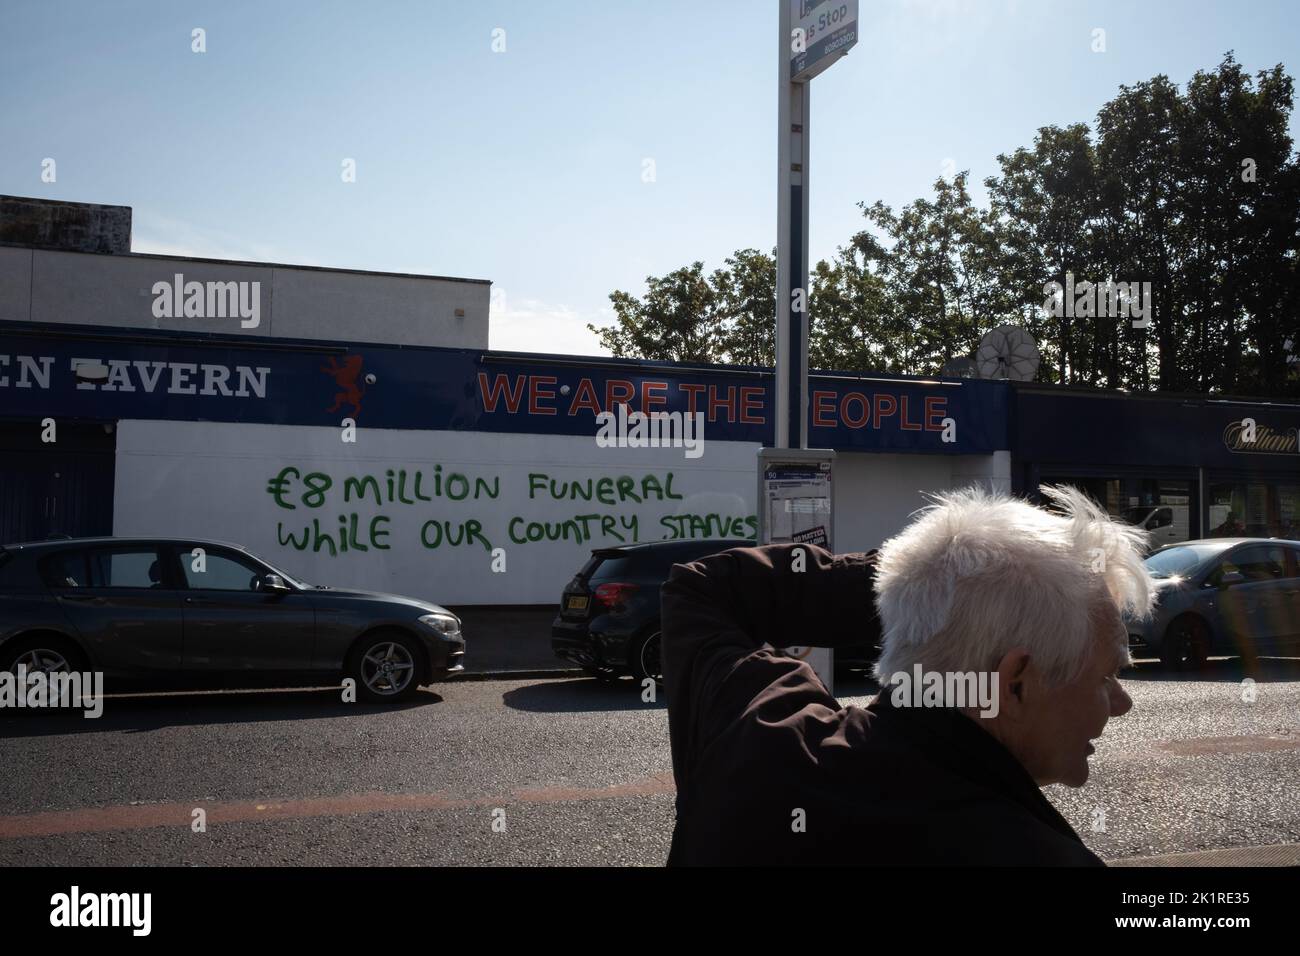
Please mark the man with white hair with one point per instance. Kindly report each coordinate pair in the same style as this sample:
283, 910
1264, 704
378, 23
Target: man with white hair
1002, 635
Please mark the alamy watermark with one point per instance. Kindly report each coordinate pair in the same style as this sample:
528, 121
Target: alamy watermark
651, 430
21, 689
74, 909
179, 299
1096, 299
954, 689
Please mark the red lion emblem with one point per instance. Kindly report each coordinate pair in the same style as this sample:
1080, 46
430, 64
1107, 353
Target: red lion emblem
345, 377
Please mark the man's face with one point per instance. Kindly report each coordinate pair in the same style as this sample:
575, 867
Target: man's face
1056, 726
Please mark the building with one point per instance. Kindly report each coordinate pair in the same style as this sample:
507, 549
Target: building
1222, 466
355, 429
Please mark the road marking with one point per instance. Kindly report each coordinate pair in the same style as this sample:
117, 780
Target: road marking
1249, 744
151, 816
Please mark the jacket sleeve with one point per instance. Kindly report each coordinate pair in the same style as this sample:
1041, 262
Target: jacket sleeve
719, 611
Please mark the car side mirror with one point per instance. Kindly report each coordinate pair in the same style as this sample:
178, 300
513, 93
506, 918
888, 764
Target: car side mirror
1229, 578
272, 584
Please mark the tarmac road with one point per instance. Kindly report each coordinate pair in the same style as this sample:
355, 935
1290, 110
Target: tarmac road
554, 771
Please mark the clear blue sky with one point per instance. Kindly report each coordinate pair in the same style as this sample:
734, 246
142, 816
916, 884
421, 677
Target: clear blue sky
525, 167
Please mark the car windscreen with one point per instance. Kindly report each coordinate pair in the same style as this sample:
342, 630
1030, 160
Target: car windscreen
1182, 559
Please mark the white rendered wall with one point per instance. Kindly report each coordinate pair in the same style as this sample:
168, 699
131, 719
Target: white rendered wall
210, 480
876, 494
294, 302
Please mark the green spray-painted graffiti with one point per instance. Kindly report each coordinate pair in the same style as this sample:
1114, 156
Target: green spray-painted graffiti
293, 488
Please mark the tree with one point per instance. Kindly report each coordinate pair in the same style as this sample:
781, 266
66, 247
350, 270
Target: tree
680, 320
747, 291
851, 319
1195, 193
939, 269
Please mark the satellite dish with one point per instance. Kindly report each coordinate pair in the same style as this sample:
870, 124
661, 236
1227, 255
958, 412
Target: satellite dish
1008, 352
960, 367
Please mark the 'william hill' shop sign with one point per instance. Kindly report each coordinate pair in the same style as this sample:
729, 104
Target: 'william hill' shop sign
107, 378
1248, 437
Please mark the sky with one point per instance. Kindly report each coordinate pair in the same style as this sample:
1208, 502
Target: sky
597, 144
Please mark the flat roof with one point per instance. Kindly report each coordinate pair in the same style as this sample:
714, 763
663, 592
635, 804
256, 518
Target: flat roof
252, 263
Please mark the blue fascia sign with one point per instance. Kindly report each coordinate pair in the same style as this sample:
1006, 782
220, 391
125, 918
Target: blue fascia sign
101, 377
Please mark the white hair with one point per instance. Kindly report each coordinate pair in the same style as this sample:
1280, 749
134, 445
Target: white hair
979, 573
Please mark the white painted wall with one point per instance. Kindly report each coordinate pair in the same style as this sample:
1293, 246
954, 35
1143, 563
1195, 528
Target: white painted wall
991, 471
876, 494
295, 302
210, 480
15, 284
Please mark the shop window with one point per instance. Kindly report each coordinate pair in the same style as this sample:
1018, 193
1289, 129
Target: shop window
1253, 509
1107, 492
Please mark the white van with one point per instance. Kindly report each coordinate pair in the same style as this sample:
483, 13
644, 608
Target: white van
1168, 524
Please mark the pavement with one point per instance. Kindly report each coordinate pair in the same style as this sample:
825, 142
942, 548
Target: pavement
558, 770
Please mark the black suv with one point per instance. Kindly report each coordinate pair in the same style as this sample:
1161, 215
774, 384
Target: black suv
609, 613
187, 613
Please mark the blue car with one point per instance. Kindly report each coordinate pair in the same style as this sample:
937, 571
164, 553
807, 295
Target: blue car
1227, 596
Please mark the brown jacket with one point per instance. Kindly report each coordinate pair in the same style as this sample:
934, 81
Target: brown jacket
771, 769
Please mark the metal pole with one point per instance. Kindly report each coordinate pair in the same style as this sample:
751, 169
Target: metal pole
793, 101
799, 324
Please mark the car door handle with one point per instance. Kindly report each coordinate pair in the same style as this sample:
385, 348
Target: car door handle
82, 598
194, 600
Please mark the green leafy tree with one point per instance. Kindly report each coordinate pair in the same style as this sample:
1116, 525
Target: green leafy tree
938, 264
1195, 191
681, 319
747, 291
850, 316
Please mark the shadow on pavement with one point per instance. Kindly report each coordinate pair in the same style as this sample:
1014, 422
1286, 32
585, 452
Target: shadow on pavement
581, 695
145, 712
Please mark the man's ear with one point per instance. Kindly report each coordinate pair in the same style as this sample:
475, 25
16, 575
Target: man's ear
1014, 671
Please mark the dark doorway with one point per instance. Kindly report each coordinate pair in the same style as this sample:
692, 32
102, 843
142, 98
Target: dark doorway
56, 489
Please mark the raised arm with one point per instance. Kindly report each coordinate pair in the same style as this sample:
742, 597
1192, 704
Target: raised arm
718, 611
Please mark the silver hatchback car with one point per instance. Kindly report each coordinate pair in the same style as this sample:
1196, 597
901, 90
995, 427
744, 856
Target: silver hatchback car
1228, 596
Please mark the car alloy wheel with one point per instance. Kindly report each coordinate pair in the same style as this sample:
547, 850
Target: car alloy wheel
42, 660
387, 670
